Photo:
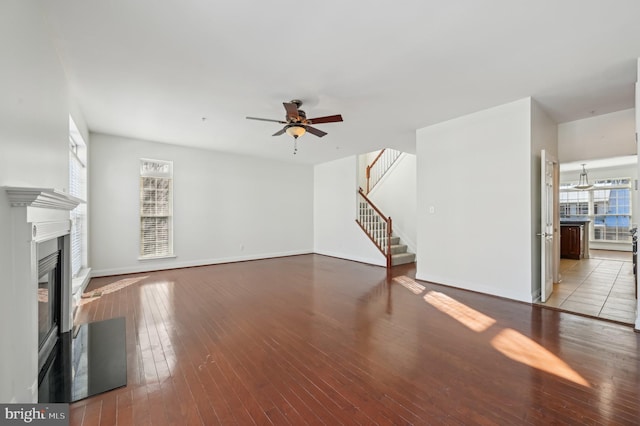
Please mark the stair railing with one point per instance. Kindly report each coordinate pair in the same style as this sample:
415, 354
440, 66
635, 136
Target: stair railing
379, 166
375, 224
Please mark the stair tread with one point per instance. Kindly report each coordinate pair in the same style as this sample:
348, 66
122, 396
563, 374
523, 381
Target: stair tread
403, 254
402, 258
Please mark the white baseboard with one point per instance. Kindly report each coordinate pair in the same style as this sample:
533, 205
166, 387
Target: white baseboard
377, 262
476, 287
147, 266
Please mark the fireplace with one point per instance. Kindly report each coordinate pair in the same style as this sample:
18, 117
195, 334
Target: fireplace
42, 276
58, 365
50, 255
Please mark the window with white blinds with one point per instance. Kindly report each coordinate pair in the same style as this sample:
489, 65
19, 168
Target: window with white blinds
156, 209
77, 188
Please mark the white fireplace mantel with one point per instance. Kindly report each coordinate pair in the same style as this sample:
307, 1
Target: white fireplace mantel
38, 215
47, 198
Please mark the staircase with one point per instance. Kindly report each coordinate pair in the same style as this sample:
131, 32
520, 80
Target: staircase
379, 229
380, 166
399, 253
372, 221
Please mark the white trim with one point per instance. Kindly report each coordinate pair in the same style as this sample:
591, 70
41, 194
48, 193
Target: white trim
78, 285
382, 261
80, 282
164, 256
148, 267
27, 234
41, 197
75, 154
43, 231
610, 245
168, 176
476, 287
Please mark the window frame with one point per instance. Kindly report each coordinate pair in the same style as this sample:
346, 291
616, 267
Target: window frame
78, 188
163, 170
571, 206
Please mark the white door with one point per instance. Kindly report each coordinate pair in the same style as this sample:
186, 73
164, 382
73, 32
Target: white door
546, 226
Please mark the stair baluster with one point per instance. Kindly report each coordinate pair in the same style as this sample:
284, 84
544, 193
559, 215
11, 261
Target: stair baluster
379, 166
379, 229
376, 225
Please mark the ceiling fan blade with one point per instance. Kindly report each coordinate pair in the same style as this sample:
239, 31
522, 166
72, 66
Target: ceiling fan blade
292, 110
314, 131
327, 119
267, 119
279, 132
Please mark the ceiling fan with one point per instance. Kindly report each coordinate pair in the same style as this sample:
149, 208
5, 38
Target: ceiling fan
297, 124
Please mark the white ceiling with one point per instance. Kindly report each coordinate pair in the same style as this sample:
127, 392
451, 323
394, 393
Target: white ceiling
601, 163
153, 69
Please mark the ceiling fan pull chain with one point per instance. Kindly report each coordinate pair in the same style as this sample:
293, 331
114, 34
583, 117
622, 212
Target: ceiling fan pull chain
295, 146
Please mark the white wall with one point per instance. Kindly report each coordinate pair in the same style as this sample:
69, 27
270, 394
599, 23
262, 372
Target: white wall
363, 161
34, 123
544, 135
475, 172
602, 136
336, 232
395, 194
226, 207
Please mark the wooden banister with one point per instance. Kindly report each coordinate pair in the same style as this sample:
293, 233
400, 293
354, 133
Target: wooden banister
380, 166
371, 165
386, 249
373, 206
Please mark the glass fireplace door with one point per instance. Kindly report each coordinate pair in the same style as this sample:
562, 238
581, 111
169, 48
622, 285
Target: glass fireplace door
49, 287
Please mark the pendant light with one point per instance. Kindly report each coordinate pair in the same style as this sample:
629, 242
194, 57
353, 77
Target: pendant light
584, 180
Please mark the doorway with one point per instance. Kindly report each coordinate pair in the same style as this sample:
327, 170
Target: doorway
600, 281
601, 286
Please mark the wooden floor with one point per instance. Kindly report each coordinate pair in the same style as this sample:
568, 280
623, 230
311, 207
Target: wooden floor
317, 340
602, 286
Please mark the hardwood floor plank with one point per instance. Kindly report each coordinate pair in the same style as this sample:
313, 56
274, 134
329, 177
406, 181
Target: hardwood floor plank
124, 408
76, 414
318, 340
92, 413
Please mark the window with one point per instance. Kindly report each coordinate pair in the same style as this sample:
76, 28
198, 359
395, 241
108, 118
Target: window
77, 188
607, 205
156, 233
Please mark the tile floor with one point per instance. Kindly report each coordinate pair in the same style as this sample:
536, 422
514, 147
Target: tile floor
601, 286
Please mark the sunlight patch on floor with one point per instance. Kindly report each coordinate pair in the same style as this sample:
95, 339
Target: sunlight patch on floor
469, 317
409, 284
94, 294
521, 348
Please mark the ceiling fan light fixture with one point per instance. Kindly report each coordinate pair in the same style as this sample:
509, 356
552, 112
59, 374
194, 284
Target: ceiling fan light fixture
296, 131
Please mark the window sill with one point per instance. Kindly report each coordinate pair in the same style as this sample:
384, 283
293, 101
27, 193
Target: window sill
168, 256
80, 281
609, 242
